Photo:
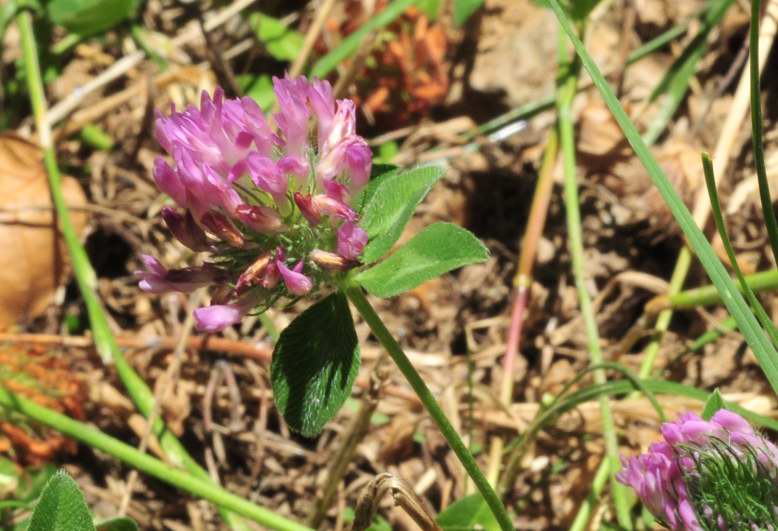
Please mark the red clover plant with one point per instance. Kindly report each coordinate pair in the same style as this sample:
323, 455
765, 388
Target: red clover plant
293, 211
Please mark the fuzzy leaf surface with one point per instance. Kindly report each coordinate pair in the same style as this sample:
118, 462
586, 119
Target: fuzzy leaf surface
61, 507
389, 202
315, 363
437, 249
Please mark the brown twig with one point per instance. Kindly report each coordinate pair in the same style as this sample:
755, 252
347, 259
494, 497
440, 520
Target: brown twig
310, 37
168, 382
64, 107
350, 440
261, 352
246, 349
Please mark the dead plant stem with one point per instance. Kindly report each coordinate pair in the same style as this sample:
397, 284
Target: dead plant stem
322, 12
348, 446
522, 282
161, 395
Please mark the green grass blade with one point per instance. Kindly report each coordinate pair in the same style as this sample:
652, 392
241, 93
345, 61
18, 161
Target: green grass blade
657, 43
163, 471
757, 129
568, 74
352, 43
710, 183
763, 349
722, 328
676, 81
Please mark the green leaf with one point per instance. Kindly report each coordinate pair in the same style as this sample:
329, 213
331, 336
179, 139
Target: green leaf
471, 512
61, 507
437, 249
378, 173
314, 365
121, 523
281, 42
431, 8
87, 17
463, 9
712, 404
387, 151
259, 88
389, 202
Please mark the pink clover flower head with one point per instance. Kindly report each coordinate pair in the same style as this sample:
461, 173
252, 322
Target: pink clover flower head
671, 478
221, 133
270, 201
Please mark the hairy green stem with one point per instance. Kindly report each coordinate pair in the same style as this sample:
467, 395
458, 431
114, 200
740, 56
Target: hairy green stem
565, 94
105, 343
363, 306
145, 463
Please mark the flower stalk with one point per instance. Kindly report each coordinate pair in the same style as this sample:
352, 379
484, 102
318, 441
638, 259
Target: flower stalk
387, 340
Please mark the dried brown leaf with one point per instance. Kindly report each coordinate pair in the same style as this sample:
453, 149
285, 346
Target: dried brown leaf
32, 255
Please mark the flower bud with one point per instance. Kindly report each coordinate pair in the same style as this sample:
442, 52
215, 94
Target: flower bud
221, 227
307, 208
185, 229
254, 274
329, 206
217, 317
327, 260
259, 218
158, 279
295, 281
